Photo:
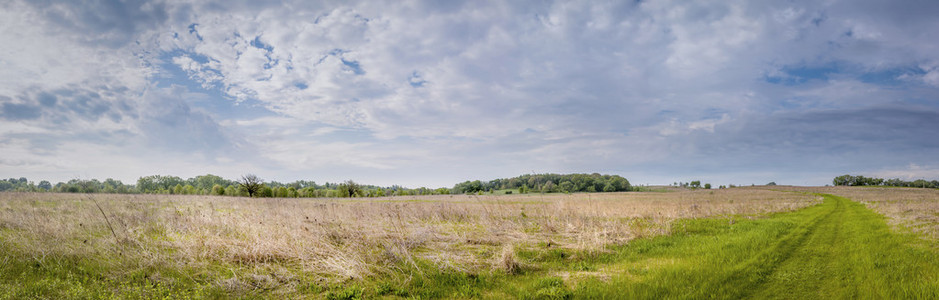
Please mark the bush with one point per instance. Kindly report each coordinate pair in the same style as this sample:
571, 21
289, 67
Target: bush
218, 190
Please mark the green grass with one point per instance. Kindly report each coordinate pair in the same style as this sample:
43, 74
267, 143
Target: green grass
835, 250
838, 249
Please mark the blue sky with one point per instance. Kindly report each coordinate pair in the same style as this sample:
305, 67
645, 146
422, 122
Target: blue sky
430, 93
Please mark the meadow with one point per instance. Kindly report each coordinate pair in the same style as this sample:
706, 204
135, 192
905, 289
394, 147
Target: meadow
675, 243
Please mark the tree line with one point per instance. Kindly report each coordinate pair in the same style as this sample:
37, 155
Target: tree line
215, 185
547, 183
851, 180
252, 186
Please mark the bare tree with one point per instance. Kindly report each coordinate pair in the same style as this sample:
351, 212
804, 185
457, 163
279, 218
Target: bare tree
251, 183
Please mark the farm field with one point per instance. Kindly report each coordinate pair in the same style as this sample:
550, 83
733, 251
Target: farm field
760, 242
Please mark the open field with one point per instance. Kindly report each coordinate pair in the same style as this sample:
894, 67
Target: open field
553, 245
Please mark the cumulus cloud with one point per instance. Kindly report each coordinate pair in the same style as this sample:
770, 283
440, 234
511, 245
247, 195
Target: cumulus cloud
546, 86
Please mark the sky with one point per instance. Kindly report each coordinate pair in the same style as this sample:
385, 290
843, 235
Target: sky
431, 93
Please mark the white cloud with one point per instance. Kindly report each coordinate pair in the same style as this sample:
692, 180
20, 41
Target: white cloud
481, 87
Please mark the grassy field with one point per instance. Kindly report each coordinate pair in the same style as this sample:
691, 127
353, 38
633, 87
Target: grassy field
737, 243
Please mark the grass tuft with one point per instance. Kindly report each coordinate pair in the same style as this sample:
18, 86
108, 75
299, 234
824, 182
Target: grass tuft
508, 261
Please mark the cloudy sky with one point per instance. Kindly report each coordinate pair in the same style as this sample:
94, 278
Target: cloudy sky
432, 93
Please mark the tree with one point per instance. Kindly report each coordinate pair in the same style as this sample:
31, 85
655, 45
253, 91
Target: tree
251, 184
218, 190
707, 186
549, 187
609, 188
208, 181
696, 184
158, 184
349, 189
470, 187
45, 185
845, 180
280, 192
566, 186
265, 191
292, 192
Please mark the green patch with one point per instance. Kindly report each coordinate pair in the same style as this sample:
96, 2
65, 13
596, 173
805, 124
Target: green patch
551, 288
838, 249
353, 292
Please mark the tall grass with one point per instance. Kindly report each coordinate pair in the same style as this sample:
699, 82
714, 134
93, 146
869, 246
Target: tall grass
207, 245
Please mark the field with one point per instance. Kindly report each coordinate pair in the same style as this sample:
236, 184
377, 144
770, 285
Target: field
761, 242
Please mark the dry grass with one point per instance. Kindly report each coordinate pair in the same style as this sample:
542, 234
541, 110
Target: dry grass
507, 261
343, 238
914, 209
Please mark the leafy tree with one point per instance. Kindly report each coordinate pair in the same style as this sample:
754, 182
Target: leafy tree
707, 186
566, 186
549, 187
609, 188
292, 192
208, 181
580, 183
158, 184
218, 190
349, 189
265, 192
231, 190
280, 192
469, 187
850, 180
45, 185
920, 183
178, 189
847, 180
696, 184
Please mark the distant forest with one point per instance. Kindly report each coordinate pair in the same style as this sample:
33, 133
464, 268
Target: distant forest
215, 185
549, 183
851, 180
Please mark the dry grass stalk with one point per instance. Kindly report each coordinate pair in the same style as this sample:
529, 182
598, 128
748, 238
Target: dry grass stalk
352, 238
507, 261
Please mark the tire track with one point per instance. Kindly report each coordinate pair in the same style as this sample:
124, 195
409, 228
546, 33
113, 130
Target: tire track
765, 264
